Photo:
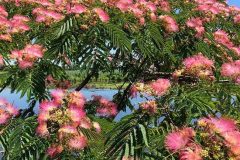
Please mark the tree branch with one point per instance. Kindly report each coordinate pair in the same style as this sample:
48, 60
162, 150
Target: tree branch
87, 79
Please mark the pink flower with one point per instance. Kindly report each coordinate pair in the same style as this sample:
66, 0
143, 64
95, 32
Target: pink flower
169, 23
179, 139
16, 54
3, 11
18, 27
43, 116
136, 11
160, 87
199, 66
76, 99
47, 106
235, 150
24, 64
197, 61
76, 114
106, 108
193, 152
219, 125
35, 50
133, 91
21, 18
47, 16
68, 129
11, 110
222, 37
58, 95
77, 143
6, 37
194, 22
77, 9
232, 138
7, 111
42, 130
151, 6
123, 5
104, 17
85, 123
97, 127
231, 70
149, 106
153, 17
142, 21
27, 56
3, 102
223, 125
1, 60
54, 150
236, 50
4, 117
165, 6
232, 141
197, 24
237, 19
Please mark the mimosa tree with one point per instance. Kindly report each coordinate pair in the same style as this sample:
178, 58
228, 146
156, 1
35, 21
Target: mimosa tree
182, 56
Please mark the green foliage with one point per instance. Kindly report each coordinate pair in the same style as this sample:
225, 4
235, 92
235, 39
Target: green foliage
127, 138
19, 141
124, 52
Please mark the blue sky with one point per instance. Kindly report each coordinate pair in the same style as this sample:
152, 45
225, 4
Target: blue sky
234, 2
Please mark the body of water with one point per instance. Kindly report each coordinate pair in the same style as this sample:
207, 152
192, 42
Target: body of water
21, 103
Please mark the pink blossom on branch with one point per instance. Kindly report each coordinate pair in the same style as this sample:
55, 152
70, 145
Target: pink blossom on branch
149, 106
27, 56
7, 111
199, 66
64, 116
222, 37
42, 130
219, 125
106, 108
6, 37
104, 17
76, 114
237, 19
77, 143
76, 8
97, 126
231, 70
169, 23
197, 24
197, 61
1, 60
177, 140
47, 16
133, 91
3, 11
76, 99
58, 95
54, 150
160, 86
192, 152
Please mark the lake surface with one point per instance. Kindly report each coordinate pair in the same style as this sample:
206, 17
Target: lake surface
21, 103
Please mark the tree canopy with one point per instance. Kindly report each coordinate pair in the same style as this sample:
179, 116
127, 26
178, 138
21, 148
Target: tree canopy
182, 56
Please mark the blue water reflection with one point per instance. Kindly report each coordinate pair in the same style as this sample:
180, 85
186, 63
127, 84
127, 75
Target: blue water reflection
106, 93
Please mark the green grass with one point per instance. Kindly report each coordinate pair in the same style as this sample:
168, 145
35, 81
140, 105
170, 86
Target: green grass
1, 79
103, 85
104, 80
